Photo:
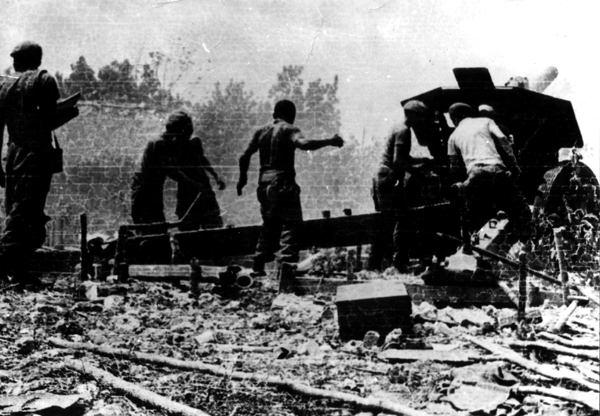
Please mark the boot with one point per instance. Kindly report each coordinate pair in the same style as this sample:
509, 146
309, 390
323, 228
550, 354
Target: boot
258, 270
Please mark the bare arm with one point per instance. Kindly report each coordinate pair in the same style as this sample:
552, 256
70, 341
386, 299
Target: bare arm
244, 162
314, 144
458, 170
504, 149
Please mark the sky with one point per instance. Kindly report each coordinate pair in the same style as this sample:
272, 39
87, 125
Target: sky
382, 51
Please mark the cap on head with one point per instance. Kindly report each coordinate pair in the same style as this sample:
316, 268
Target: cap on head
28, 54
486, 110
417, 108
460, 111
285, 110
179, 123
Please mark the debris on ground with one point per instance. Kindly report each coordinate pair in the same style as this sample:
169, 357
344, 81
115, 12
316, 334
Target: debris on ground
149, 347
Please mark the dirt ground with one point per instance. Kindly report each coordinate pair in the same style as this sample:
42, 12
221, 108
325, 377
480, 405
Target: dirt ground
299, 340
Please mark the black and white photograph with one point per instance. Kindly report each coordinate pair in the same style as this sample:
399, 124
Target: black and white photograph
293, 208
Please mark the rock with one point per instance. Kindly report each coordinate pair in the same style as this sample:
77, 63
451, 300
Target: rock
49, 309
112, 301
232, 306
370, 340
88, 391
327, 314
310, 348
203, 338
87, 307
424, 312
102, 409
468, 317
26, 345
42, 403
126, 323
395, 336
260, 321
90, 290
183, 327
69, 328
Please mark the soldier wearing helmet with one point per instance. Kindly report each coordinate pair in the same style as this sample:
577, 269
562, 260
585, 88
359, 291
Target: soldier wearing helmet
28, 110
159, 161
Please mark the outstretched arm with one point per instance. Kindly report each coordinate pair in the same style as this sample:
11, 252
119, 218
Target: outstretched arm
312, 144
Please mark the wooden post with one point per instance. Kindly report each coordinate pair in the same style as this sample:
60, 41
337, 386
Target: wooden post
563, 318
562, 263
84, 253
464, 217
522, 287
120, 267
358, 263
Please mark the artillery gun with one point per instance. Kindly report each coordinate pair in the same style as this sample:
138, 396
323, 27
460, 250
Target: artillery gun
541, 126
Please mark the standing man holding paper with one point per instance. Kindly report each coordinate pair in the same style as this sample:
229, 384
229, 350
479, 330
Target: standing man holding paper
29, 110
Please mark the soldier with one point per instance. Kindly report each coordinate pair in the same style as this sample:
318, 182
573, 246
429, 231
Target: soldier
479, 151
410, 149
277, 192
28, 109
159, 161
205, 212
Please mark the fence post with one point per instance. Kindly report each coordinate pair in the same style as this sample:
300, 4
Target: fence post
562, 263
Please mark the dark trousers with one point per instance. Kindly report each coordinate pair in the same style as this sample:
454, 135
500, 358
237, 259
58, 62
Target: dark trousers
147, 205
391, 242
489, 189
282, 221
28, 181
205, 212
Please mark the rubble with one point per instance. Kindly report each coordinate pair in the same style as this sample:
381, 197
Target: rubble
255, 351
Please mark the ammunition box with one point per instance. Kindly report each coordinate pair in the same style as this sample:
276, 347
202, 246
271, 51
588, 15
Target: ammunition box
377, 306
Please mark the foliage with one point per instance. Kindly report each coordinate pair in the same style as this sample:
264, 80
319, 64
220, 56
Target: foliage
315, 105
581, 243
126, 107
123, 83
82, 79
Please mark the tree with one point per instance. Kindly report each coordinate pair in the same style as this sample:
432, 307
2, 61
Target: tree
228, 119
150, 90
117, 82
82, 79
315, 105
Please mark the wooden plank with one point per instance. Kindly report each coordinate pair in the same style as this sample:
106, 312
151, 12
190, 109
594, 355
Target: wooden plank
342, 231
452, 357
171, 272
